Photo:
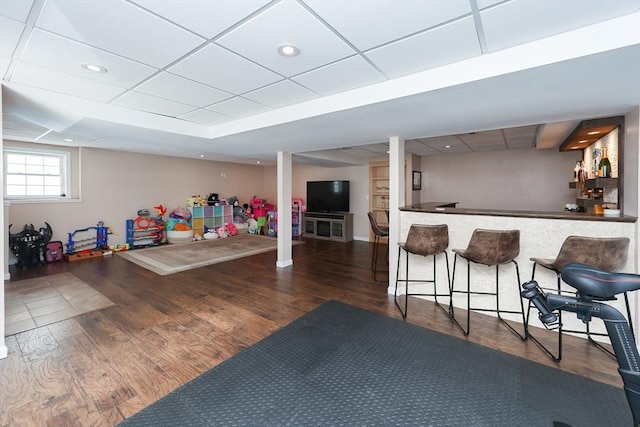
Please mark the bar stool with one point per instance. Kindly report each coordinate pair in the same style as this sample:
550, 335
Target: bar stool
424, 240
491, 248
378, 232
604, 253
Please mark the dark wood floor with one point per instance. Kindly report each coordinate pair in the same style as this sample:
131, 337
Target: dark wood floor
101, 367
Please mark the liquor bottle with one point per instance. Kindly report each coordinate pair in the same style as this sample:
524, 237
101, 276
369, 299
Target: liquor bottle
576, 171
582, 172
604, 165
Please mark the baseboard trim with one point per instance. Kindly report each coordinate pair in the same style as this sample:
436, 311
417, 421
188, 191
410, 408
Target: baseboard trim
283, 264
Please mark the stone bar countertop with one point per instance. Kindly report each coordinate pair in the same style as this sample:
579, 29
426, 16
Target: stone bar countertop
444, 207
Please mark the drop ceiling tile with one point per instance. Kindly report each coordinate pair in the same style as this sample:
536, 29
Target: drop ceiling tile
444, 45
14, 126
441, 142
238, 107
481, 137
368, 150
4, 65
281, 94
177, 88
10, 32
206, 117
487, 147
56, 81
16, 9
64, 55
119, 27
152, 104
482, 4
520, 144
514, 23
446, 144
287, 22
207, 18
224, 70
529, 131
369, 24
520, 140
114, 144
58, 138
340, 76
416, 147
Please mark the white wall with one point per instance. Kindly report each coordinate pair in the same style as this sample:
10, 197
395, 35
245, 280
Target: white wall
358, 177
116, 184
522, 179
631, 161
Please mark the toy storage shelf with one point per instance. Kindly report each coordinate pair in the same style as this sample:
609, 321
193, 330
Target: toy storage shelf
296, 216
210, 216
329, 226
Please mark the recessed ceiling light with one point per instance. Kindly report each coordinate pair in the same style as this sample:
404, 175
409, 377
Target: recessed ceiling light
258, 162
447, 146
582, 141
595, 132
68, 140
94, 68
288, 50
202, 156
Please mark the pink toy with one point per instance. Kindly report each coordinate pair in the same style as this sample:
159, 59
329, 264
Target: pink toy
223, 231
233, 230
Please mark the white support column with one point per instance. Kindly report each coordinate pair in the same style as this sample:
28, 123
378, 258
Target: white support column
396, 200
3, 249
285, 258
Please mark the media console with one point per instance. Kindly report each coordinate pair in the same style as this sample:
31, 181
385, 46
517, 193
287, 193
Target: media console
330, 226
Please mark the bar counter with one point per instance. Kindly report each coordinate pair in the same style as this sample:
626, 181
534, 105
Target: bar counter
446, 207
541, 235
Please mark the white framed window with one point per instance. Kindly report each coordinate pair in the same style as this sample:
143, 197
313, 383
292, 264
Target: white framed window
36, 174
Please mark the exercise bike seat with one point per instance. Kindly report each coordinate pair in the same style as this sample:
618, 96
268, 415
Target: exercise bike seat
598, 284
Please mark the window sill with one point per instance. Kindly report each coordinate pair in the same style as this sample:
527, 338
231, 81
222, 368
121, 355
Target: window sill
42, 201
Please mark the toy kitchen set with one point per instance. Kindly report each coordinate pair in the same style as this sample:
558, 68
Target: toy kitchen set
596, 176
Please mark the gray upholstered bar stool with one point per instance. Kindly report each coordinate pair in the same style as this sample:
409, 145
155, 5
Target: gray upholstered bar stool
425, 241
378, 231
490, 248
604, 253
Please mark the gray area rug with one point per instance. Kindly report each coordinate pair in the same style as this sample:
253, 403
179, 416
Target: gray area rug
173, 258
344, 366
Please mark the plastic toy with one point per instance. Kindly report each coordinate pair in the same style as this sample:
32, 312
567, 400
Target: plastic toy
87, 247
160, 210
252, 226
29, 245
53, 251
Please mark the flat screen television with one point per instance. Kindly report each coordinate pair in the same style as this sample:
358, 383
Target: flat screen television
328, 196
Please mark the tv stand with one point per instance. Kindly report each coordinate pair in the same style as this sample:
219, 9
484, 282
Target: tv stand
329, 226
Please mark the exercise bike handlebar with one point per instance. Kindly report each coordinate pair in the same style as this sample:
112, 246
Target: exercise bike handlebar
586, 280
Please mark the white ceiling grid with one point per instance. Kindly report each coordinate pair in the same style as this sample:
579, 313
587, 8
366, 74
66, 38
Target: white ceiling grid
212, 67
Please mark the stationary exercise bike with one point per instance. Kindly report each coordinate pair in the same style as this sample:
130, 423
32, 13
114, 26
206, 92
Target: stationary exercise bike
593, 286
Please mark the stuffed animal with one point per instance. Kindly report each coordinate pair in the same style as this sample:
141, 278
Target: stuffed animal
223, 231
252, 226
233, 231
210, 235
196, 201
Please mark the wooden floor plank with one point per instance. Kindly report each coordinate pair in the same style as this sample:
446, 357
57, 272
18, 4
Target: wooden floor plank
103, 366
